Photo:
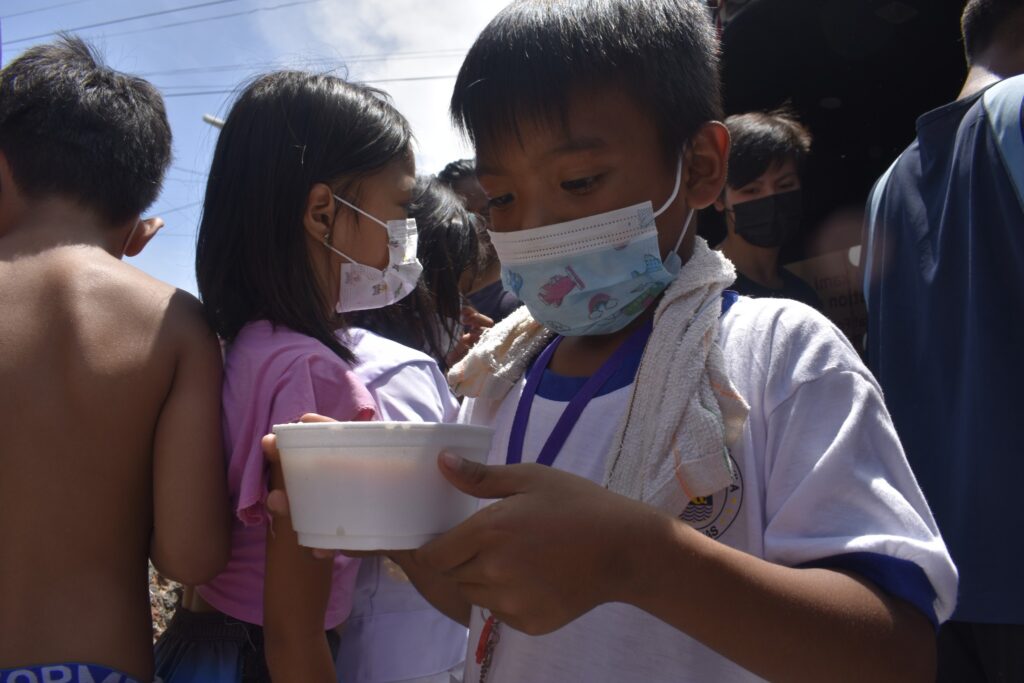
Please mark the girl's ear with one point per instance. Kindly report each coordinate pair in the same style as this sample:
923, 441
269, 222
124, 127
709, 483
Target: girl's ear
318, 216
707, 165
720, 202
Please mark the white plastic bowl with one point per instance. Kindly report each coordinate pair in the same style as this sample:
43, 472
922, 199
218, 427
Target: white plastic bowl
375, 485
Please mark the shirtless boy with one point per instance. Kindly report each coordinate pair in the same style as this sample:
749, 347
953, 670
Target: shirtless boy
110, 408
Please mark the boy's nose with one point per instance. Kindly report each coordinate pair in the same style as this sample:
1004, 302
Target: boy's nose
537, 216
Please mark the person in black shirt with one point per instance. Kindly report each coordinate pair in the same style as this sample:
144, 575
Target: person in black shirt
761, 203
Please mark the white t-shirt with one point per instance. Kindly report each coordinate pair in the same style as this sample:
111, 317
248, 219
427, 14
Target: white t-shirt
393, 634
821, 477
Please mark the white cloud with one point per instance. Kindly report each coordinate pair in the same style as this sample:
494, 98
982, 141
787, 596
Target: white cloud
438, 31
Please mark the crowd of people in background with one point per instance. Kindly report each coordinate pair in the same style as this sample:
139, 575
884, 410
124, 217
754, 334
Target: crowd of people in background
694, 474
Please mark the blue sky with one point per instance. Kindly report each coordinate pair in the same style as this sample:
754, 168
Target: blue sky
216, 47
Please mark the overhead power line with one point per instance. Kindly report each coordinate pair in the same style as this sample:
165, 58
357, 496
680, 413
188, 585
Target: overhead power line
255, 10
229, 91
43, 9
208, 3
190, 205
341, 60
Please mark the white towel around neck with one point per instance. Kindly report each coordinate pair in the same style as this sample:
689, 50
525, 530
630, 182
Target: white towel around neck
683, 411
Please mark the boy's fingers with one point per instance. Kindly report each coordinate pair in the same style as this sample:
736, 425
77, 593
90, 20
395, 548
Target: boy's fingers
481, 481
473, 318
450, 550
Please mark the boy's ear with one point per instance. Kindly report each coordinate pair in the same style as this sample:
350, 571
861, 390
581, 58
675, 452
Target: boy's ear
707, 165
318, 217
10, 204
720, 203
145, 230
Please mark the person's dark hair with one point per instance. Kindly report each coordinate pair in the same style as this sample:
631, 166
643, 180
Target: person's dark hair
448, 251
451, 175
72, 127
535, 54
456, 171
287, 131
981, 20
761, 140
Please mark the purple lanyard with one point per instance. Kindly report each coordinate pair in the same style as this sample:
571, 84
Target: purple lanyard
571, 414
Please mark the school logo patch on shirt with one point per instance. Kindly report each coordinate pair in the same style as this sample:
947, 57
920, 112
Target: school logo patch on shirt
713, 515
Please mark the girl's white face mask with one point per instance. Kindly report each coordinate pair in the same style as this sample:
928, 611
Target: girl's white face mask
365, 288
593, 275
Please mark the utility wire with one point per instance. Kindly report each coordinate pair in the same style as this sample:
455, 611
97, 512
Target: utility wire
369, 80
342, 60
43, 9
208, 3
205, 19
189, 171
161, 214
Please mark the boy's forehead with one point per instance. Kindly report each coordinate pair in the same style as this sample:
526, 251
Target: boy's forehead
592, 120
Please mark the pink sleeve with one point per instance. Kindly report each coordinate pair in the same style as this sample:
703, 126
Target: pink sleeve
314, 383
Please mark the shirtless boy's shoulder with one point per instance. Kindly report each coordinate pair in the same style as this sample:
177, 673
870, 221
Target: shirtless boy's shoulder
112, 448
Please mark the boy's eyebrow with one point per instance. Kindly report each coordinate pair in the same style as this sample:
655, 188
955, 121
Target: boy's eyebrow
577, 145
570, 146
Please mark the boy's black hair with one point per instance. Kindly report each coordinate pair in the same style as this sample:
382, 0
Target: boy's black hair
287, 131
761, 140
457, 171
74, 128
447, 250
536, 54
981, 20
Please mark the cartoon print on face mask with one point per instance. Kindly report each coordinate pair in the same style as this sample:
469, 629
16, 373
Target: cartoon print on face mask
553, 293
651, 265
514, 282
647, 296
601, 304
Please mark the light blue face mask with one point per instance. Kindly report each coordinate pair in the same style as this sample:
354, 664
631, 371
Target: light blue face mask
592, 275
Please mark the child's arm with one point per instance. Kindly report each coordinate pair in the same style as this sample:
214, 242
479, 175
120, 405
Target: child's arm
558, 545
191, 519
295, 593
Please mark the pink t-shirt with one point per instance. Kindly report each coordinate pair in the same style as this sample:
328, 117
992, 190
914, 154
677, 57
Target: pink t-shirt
271, 376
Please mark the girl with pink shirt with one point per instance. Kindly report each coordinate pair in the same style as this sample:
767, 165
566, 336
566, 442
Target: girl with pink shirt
305, 219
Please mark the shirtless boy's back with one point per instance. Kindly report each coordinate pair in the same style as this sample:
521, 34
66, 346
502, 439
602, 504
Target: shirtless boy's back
110, 445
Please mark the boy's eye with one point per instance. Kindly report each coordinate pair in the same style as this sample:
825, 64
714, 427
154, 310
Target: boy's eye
580, 184
499, 201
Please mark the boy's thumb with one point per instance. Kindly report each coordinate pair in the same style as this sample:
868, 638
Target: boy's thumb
480, 481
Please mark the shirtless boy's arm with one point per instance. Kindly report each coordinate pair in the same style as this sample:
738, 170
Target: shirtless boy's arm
191, 516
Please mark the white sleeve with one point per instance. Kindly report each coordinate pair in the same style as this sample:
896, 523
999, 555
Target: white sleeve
839, 490
414, 392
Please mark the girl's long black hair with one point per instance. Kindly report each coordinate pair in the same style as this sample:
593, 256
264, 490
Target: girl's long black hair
287, 131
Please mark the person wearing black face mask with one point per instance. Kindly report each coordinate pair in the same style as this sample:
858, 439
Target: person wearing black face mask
761, 203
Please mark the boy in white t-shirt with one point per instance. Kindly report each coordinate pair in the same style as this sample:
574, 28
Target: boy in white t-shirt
725, 498
806, 550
